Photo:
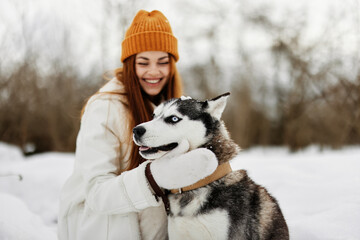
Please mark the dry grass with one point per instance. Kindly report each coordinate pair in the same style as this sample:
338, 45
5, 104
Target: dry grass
317, 105
41, 113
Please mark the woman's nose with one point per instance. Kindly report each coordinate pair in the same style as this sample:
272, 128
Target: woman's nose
154, 69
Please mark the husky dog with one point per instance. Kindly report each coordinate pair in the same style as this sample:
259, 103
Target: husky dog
229, 205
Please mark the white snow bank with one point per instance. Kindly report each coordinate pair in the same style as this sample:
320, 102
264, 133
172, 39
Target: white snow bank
9, 153
318, 191
42, 178
18, 222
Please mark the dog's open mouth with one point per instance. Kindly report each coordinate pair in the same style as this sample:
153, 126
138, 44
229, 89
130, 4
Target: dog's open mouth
165, 148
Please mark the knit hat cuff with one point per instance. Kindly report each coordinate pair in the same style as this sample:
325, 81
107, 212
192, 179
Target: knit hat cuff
149, 41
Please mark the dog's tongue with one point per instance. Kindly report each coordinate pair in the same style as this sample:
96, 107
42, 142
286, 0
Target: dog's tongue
143, 148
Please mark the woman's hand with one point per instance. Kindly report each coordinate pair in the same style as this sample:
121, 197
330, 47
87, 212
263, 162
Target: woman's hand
179, 168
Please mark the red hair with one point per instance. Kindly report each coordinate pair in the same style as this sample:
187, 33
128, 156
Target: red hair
138, 102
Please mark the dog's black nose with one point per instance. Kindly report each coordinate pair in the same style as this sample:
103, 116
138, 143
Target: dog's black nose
139, 131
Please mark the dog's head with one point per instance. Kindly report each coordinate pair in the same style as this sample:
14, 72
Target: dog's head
177, 120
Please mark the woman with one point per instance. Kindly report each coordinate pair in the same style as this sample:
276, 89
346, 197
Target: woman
108, 196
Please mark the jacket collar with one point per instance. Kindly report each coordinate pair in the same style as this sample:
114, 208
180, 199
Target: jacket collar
113, 85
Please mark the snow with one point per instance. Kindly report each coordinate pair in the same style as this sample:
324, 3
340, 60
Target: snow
318, 190
18, 222
29, 206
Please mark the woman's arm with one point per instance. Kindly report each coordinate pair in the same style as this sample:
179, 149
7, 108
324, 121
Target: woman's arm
103, 128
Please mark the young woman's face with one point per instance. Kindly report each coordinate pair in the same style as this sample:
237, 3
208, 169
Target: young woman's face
152, 69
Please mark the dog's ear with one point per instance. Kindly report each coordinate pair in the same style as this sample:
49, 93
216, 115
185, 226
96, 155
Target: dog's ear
217, 105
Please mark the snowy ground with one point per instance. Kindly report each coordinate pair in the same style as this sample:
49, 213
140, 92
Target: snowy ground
318, 191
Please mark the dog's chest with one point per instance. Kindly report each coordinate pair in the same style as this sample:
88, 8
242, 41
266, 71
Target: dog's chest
185, 221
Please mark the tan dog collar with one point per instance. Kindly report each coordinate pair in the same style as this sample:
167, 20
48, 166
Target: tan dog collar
220, 172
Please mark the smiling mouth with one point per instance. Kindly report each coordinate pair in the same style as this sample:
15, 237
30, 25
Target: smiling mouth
164, 148
152, 80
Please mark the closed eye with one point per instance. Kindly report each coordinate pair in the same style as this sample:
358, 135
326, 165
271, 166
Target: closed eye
172, 119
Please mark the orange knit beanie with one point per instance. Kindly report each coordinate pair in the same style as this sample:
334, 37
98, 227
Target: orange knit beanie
149, 31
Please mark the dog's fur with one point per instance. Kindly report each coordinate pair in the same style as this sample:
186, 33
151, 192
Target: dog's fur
233, 207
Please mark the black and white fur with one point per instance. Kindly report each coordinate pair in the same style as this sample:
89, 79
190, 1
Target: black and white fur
233, 207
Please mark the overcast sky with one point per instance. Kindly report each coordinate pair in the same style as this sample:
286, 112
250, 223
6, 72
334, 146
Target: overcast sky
45, 21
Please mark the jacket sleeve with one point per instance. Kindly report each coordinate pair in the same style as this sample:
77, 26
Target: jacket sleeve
101, 133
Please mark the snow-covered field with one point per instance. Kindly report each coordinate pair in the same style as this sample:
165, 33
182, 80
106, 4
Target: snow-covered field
318, 191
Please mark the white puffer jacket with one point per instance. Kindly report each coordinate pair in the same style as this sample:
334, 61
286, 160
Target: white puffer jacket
96, 203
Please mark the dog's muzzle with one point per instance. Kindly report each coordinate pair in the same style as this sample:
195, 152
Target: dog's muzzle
139, 131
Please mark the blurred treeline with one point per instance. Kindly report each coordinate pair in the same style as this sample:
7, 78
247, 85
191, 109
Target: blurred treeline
290, 92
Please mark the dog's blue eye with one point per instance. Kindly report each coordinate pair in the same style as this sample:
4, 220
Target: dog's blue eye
172, 119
